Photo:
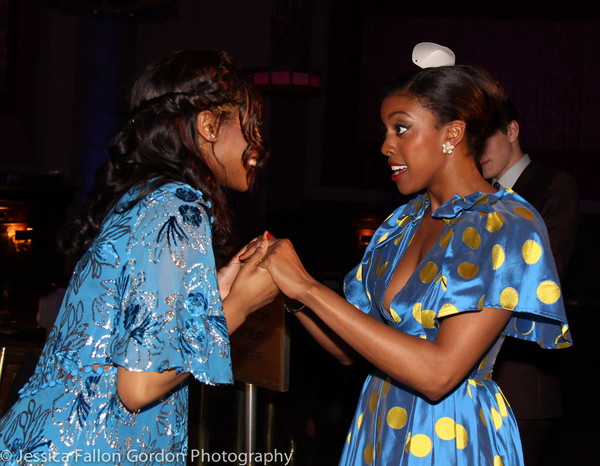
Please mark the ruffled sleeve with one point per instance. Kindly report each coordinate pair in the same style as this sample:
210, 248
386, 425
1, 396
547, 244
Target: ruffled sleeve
167, 309
498, 256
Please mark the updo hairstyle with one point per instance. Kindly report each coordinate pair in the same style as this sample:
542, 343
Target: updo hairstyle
450, 93
160, 143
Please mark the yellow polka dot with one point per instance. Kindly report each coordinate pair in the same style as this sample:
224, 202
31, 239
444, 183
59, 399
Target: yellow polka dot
378, 448
395, 316
521, 330
532, 251
369, 454
482, 200
428, 319
496, 418
483, 361
548, 292
469, 390
383, 237
468, 270
420, 445
444, 283
497, 256
349, 437
446, 237
494, 222
525, 213
403, 221
378, 424
419, 205
471, 238
359, 273
373, 402
428, 272
397, 240
386, 387
509, 298
416, 312
408, 437
498, 461
501, 405
359, 421
447, 310
480, 303
397, 417
368, 296
462, 438
382, 269
482, 416
445, 428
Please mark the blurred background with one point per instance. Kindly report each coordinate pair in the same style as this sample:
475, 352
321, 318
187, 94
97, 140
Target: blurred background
66, 67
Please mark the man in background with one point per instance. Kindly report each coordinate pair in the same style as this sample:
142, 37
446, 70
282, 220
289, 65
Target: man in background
525, 373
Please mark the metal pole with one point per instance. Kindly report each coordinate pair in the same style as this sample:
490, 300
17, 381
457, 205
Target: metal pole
250, 421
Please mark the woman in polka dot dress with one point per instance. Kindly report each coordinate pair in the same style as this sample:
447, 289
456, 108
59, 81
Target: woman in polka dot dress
444, 280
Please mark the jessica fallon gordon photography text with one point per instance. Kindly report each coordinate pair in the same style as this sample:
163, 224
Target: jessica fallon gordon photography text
242, 459
135, 456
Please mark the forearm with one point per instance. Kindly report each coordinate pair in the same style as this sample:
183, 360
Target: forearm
323, 335
138, 389
430, 367
235, 313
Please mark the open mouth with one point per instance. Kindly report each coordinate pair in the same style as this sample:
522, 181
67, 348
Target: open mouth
398, 168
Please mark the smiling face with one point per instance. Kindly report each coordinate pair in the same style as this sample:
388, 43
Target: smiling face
229, 148
413, 144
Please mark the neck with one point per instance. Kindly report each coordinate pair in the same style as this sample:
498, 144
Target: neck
462, 179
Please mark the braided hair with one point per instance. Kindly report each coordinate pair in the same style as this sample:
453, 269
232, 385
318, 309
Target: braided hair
160, 142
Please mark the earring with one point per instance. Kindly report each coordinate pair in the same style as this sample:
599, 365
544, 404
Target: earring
212, 136
447, 148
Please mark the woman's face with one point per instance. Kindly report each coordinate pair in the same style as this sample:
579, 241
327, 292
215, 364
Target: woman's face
412, 143
232, 172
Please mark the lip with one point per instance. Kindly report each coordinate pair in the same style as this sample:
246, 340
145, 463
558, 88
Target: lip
397, 174
484, 163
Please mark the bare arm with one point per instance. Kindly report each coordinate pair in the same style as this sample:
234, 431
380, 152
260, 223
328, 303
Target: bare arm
430, 367
252, 289
138, 389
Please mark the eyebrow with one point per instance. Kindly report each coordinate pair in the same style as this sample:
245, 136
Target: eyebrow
399, 112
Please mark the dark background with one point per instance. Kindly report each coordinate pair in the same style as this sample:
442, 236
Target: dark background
65, 72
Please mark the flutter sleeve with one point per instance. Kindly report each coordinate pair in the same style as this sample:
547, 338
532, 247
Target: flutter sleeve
498, 256
168, 311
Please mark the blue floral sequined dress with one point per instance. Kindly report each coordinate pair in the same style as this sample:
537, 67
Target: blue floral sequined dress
493, 252
145, 297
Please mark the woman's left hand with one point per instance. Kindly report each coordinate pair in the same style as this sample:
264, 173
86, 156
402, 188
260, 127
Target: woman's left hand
227, 274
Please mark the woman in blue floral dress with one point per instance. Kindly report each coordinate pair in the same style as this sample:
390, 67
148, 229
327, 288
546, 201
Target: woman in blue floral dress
443, 281
145, 307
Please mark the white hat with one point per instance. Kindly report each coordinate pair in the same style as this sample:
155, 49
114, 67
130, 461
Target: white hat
430, 55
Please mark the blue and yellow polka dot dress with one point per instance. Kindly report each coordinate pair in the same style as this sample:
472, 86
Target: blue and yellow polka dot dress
494, 252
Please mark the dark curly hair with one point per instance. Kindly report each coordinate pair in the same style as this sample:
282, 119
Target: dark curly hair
160, 141
465, 93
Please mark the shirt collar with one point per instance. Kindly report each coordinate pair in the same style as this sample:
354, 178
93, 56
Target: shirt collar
511, 176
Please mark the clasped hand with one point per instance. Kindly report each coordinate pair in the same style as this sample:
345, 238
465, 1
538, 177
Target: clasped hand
282, 263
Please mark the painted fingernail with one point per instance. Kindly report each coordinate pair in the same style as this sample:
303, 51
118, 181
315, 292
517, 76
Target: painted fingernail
268, 235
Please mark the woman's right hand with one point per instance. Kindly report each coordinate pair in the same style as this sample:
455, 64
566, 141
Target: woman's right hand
286, 268
252, 289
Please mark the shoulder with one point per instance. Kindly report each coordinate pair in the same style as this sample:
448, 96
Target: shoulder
498, 220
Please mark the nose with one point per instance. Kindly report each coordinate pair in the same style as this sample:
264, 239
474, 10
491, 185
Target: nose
386, 147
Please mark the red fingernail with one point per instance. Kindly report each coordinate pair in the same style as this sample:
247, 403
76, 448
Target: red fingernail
268, 235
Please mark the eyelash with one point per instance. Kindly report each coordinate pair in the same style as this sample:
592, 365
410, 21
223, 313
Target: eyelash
400, 129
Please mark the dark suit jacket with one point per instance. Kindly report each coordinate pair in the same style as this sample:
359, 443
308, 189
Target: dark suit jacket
526, 373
